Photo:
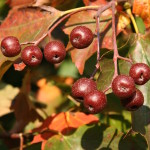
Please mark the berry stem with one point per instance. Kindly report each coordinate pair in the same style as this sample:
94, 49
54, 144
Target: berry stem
97, 16
98, 37
80, 9
114, 39
104, 7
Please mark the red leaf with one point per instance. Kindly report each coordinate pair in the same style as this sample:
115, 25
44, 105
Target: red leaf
19, 65
59, 4
27, 24
79, 56
13, 3
63, 122
94, 2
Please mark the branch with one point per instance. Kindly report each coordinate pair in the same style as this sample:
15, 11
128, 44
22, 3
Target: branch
65, 15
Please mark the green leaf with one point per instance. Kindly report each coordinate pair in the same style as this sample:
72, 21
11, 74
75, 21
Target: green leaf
136, 141
107, 72
85, 137
140, 24
115, 115
93, 137
139, 51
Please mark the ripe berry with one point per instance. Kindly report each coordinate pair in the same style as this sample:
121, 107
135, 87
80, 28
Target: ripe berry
95, 101
140, 72
31, 55
134, 102
81, 37
82, 87
54, 52
123, 86
10, 46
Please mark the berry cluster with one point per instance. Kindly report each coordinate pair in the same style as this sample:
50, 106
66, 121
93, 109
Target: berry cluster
54, 51
123, 86
85, 89
94, 100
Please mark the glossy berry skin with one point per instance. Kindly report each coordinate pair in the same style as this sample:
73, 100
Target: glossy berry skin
123, 86
134, 102
82, 87
140, 72
81, 37
95, 101
32, 56
10, 46
55, 52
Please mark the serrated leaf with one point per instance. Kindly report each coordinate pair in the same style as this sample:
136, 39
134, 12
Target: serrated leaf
107, 72
64, 123
139, 52
80, 56
59, 4
95, 137
27, 24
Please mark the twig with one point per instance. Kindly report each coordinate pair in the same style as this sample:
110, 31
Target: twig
21, 141
73, 100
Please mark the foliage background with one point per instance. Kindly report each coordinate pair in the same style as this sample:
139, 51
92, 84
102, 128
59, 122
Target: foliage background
36, 101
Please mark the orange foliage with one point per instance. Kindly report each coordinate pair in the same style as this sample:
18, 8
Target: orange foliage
64, 123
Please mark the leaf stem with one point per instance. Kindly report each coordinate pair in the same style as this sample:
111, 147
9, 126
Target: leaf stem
127, 6
80, 9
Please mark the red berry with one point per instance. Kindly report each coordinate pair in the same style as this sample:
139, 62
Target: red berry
31, 55
123, 86
81, 37
140, 72
82, 87
134, 102
55, 52
95, 101
10, 46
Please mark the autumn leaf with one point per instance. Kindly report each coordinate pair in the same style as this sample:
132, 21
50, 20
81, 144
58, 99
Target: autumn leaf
47, 93
59, 4
96, 137
63, 122
19, 65
94, 2
23, 108
27, 24
80, 56
13, 3
142, 9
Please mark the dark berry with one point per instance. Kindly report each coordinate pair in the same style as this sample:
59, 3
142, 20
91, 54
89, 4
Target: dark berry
95, 101
82, 87
81, 37
10, 46
55, 52
134, 102
31, 56
140, 73
123, 86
